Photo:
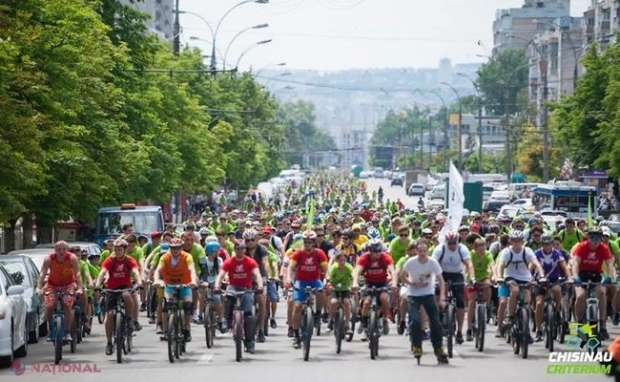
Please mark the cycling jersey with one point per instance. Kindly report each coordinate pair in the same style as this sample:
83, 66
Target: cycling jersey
61, 273
119, 271
375, 269
341, 276
481, 263
174, 270
550, 263
591, 260
240, 271
308, 264
398, 249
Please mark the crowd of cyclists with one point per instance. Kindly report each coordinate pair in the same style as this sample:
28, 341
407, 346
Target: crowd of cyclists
337, 240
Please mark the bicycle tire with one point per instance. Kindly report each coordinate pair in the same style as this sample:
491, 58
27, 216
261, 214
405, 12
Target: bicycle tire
238, 334
128, 336
79, 326
373, 335
525, 334
481, 326
172, 337
101, 315
207, 325
149, 298
561, 320
549, 327
307, 332
58, 324
339, 329
74, 331
180, 321
118, 336
450, 332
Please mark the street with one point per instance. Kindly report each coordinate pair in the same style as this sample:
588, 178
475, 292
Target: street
393, 193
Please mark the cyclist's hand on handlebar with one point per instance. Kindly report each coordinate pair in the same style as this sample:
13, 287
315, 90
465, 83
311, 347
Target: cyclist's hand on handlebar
40, 292
542, 280
259, 290
217, 291
607, 280
79, 291
204, 284
288, 285
355, 288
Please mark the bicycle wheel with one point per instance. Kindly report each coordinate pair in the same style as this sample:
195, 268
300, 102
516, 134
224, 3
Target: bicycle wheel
149, 299
118, 336
238, 334
373, 334
306, 336
181, 333
172, 337
339, 328
79, 324
101, 314
128, 336
74, 330
481, 322
560, 321
549, 327
58, 338
449, 329
525, 334
207, 324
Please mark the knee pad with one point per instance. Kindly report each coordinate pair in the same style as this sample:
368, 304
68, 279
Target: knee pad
188, 307
167, 305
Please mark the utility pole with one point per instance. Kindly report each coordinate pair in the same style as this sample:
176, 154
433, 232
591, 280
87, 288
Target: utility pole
421, 144
479, 133
446, 140
176, 42
508, 136
543, 120
431, 141
460, 136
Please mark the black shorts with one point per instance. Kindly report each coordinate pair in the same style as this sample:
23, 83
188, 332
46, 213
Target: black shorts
343, 294
111, 299
589, 276
458, 291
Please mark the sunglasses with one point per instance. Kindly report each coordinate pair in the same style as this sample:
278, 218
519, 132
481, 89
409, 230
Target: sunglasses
308, 242
250, 240
404, 235
453, 242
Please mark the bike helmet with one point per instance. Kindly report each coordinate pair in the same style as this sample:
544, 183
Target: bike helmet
376, 219
373, 233
121, 243
212, 248
452, 237
176, 243
375, 245
516, 235
391, 237
297, 237
309, 235
348, 234
546, 239
463, 228
250, 234
204, 231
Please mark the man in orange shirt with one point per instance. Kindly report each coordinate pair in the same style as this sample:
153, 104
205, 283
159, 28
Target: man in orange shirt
64, 276
176, 268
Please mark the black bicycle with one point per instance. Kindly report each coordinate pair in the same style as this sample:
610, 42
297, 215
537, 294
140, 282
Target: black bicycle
175, 335
449, 316
552, 318
123, 325
518, 334
307, 324
340, 330
480, 316
239, 325
210, 321
57, 327
374, 329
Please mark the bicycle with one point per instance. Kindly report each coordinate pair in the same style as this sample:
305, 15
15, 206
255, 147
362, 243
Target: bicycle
448, 316
175, 335
266, 326
518, 334
210, 321
339, 318
593, 314
480, 316
123, 326
57, 326
151, 301
101, 310
238, 322
78, 325
373, 332
307, 324
552, 321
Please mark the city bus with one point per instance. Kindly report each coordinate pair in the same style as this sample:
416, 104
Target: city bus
145, 220
570, 197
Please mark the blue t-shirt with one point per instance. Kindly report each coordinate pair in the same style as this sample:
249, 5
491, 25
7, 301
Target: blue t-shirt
550, 263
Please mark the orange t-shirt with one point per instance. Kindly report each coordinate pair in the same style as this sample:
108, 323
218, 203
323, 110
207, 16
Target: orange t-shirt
178, 273
61, 273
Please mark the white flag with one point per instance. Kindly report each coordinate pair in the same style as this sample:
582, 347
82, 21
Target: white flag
456, 198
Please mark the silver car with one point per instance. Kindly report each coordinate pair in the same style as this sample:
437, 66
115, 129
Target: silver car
13, 312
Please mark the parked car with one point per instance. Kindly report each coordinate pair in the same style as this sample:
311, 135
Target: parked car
23, 268
13, 312
523, 203
397, 180
495, 205
92, 248
510, 210
37, 255
416, 189
439, 192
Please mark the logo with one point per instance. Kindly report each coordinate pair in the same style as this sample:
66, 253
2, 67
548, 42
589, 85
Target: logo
18, 368
581, 355
585, 338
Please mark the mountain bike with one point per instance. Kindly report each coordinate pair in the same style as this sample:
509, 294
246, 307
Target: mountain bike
552, 321
480, 316
592, 316
238, 322
307, 319
175, 335
210, 320
449, 316
123, 325
339, 317
518, 334
374, 326
57, 326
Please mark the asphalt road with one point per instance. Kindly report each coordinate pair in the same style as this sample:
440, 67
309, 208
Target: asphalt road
394, 193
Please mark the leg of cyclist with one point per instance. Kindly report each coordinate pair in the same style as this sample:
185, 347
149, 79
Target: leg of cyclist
471, 306
539, 313
384, 298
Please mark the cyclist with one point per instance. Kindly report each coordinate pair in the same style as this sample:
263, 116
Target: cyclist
64, 277
88, 274
241, 269
177, 268
420, 273
340, 276
260, 254
119, 270
453, 257
305, 267
484, 271
347, 247
210, 267
514, 265
588, 259
375, 265
554, 265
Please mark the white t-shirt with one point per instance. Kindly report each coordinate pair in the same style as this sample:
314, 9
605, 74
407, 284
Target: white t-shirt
212, 275
452, 261
422, 272
517, 269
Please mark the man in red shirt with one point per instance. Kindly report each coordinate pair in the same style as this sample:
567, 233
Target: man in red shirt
64, 277
118, 269
306, 267
589, 257
375, 266
241, 271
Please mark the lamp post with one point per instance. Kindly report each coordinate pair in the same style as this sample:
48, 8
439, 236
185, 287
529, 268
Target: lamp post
259, 26
479, 118
460, 131
446, 145
249, 48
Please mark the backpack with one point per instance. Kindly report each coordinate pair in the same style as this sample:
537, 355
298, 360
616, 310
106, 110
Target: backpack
512, 254
563, 235
443, 253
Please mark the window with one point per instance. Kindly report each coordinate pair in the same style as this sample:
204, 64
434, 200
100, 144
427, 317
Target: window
110, 224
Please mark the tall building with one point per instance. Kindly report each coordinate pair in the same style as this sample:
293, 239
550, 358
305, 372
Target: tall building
516, 27
162, 15
601, 21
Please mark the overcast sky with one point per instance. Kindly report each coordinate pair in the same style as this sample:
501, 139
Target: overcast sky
346, 34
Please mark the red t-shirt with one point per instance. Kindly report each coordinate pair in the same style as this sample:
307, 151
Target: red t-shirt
375, 270
367, 215
223, 254
240, 271
308, 264
591, 260
119, 272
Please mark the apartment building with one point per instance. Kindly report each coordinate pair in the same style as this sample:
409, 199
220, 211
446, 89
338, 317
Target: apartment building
492, 129
600, 22
162, 15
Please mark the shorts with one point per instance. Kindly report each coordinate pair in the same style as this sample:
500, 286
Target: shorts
183, 293
111, 299
589, 276
68, 298
458, 291
404, 292
272, 292
343, 294
299, 293
503, 291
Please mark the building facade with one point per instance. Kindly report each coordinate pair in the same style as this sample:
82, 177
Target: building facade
162, 15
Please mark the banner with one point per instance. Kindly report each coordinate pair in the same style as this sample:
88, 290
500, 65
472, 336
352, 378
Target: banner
457, 199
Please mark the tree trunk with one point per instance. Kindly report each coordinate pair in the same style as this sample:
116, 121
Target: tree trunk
9, 237
44, 234
27, 222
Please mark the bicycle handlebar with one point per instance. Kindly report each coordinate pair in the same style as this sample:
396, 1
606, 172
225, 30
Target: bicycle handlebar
119, 291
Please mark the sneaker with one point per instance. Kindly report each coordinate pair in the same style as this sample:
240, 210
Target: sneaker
151, 320
136, 326
603, 335
109, 349
363, 336
195, 317
250, 348
401, 328
425, 335
360, 329
68, 337
223, 326
616, 319
273, 323
499, 333
459, 338
261, 337
290, 333
296, 343
508, 321
325, 317
441, 355
187, 336
200, 320
469, 335
143, 308
539, 336
417, 351
160, 328
330, 325
386, 327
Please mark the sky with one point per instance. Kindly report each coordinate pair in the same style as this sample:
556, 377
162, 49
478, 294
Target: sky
330, 35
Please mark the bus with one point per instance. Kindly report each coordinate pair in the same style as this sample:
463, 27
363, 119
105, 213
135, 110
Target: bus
570, 197
145, 220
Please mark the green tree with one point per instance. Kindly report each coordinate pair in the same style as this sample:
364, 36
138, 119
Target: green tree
501, 79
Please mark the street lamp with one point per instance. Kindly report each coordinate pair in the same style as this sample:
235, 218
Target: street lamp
195, 38
249, 48
265, 67
259, 26
479, 117
460, 131
446, 143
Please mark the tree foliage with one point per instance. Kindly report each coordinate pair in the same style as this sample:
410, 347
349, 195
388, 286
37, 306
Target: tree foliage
501, 79
530, 159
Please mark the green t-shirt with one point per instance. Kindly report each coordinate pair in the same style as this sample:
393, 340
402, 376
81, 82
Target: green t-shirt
273, 264
569, 240
401, 263
342, 277
104, 255
398, 249
481, 264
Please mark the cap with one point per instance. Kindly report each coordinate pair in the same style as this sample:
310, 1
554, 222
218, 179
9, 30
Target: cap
155, 235
606, 231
